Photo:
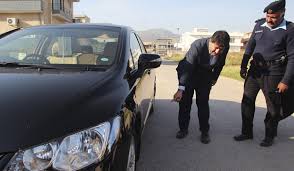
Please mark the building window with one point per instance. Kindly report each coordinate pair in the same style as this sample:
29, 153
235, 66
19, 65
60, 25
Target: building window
58, 4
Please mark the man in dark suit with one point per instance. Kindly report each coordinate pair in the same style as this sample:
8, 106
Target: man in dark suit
198, 71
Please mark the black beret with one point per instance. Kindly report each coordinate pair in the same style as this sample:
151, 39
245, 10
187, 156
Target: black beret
276, 6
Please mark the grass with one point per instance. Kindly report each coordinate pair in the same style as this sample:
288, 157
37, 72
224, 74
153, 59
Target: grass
175, 57
234, 58
231, 69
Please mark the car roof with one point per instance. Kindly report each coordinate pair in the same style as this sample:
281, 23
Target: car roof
82, 25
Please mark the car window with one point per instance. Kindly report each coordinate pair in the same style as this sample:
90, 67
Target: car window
60, 46
141, 44
135, 49
70, 46
17, 49
131, 63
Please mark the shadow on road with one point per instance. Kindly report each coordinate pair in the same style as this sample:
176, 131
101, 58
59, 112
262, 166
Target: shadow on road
162, 151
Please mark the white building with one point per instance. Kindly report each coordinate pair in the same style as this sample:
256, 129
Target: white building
198, 33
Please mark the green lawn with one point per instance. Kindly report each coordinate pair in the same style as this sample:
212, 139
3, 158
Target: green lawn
232, 71
175, 57
232, 67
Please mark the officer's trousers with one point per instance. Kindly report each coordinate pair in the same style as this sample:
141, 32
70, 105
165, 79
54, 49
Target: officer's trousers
268, 85
202, 98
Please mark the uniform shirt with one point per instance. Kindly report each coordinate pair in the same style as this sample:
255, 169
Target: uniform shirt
271, 44
198, 59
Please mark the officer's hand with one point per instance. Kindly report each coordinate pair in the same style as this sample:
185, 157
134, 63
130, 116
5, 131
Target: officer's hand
243, 73
282, 87
213, 82
178, 96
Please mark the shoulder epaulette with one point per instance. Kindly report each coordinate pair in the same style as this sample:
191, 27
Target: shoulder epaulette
260, 20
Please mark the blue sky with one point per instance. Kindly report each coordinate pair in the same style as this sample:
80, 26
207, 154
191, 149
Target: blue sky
231, 15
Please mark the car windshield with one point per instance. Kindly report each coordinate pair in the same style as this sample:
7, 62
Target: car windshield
60, 46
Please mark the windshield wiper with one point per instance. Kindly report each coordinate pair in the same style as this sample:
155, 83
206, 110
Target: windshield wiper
23, 65
94, 68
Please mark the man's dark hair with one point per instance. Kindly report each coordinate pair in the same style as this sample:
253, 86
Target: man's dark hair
222, 38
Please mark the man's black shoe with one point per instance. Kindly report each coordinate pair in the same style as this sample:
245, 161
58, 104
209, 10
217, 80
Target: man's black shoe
181, 134
205, 139
267, 142
243, 137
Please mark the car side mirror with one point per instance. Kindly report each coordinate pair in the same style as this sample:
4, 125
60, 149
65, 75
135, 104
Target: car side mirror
149, 61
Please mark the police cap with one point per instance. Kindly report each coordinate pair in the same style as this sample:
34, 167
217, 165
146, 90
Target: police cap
276, 6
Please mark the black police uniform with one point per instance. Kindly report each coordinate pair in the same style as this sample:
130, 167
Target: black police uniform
196, 73
272, 63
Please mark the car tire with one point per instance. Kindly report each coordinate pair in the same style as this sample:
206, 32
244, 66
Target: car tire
124, 154
138, 133
131, 162
153, 102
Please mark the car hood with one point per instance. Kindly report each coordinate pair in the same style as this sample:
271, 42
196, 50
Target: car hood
39, 107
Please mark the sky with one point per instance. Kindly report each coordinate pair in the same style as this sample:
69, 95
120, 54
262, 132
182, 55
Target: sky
230, 15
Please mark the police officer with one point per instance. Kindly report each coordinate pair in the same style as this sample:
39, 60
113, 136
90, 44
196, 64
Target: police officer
272, 67
198, 71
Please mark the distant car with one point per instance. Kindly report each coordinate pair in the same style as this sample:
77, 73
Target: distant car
74, 97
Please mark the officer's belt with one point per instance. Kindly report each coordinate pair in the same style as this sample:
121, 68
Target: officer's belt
265, 64
282, 60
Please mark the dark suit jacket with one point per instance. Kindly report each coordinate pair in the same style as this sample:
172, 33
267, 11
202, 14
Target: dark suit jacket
195, 67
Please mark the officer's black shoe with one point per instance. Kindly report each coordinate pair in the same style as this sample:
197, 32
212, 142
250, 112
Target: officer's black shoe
267, 142
181, 134
205, 139
243, 137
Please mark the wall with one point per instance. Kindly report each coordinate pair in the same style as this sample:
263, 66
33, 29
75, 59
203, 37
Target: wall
68, 5
25, 20
47, 11
33, 19
17, 6
57, 20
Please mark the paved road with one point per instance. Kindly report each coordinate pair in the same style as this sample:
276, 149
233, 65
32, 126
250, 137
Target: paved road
162, 151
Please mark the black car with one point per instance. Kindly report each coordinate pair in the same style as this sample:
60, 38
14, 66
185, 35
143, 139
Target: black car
74, 97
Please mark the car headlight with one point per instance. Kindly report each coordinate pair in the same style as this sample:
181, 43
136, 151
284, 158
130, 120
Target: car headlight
82, 149
75, 152
39, 158
16, 163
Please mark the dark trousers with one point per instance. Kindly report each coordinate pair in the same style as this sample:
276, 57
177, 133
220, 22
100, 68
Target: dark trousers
202, 98
268, 85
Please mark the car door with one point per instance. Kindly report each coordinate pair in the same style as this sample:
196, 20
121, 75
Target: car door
145, 87
150, 72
